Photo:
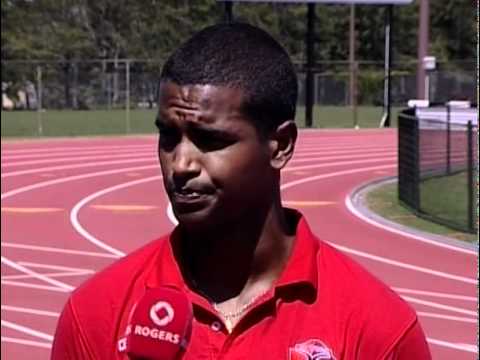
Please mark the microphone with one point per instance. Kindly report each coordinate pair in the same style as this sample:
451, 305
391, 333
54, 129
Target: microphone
159, 327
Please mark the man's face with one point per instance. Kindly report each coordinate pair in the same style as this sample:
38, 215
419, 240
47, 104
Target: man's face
215, 166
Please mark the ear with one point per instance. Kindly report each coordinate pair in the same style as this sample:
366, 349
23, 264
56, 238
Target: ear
282, 144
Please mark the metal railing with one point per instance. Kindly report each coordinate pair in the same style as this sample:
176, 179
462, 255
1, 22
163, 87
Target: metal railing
437, 157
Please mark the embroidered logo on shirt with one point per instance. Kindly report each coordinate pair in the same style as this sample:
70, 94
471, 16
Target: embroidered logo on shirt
161, 313
312, 349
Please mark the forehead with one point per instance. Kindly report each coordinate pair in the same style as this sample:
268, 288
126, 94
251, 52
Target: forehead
200, 102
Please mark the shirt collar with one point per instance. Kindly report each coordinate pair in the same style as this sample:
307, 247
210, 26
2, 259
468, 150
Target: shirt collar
300, 270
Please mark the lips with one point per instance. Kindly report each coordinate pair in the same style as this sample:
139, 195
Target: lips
188, 195
190, 199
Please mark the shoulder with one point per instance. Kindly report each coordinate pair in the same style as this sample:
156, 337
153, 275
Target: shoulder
117, 279
99, 307
372, 312
96, 312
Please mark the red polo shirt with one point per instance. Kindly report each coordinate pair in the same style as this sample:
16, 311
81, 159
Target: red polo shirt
323, 303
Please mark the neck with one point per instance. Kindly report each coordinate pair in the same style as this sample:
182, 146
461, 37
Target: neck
240, 259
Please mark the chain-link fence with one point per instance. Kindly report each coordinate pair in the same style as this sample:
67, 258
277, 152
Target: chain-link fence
438, 153
128, 85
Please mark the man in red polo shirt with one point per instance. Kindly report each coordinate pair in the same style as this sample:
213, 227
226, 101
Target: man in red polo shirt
261, 284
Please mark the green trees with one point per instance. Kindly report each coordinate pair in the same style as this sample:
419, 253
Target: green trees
67, 31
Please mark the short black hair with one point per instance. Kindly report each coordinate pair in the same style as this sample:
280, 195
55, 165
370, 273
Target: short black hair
241, 56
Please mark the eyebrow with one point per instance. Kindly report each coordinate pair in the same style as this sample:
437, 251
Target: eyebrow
209, 129
193, 125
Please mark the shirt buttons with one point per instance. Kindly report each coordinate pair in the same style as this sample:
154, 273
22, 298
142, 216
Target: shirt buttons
216, 326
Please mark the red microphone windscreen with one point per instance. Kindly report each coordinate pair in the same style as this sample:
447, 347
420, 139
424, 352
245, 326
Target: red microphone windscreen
160, 325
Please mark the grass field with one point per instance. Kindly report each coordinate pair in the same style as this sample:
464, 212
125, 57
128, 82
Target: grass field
446, 197
384, 201
114, 122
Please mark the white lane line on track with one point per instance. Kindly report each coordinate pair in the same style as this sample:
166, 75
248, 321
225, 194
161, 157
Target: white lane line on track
174, 221
446, 317
33, 286
77, 158
403, 265
49, 274
334, 174
27, 330
75, 210
36, 275
463, 347
338, 163
30, 311
341, 145
64, 150
155, 159
354, 211
13, 340
446, 343
77, 166
373, 150
79, 228
84, 152
435, 294
334, 144
285, 186
300, 150
348, 156
353, 251
52, 267
364, 254
72, 178
56, 250
440, 306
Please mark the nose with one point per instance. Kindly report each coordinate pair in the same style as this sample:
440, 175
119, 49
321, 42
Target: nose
185, 162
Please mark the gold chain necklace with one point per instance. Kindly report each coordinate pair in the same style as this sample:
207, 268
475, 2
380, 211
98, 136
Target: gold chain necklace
229, 316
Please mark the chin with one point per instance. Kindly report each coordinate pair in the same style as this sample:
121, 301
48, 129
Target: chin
195, 220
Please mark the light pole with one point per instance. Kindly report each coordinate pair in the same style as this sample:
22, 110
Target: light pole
422, 48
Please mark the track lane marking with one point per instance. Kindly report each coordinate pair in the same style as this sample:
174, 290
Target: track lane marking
435, 294
19, 341
30, 311
36, 275
29, 210
33, 286
456, 346
124, 208
56, 250
73, 159
76, 209
42, 184
80, 229
307, 203
400, 264
76, 166
26, 330
358, 214
73, 153
345, 155
339, 163
404, 265
52, 267
446, 317
64, 149
49, 274
440, 306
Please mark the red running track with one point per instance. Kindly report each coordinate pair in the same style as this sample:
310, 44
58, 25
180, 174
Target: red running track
72, 206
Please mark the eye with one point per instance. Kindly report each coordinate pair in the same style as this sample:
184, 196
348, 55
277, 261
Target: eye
168, 136
208, 140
